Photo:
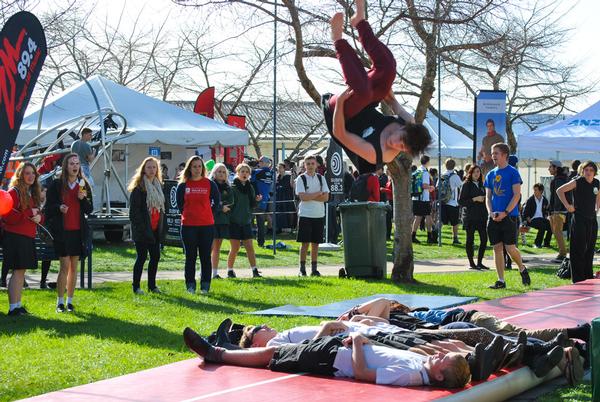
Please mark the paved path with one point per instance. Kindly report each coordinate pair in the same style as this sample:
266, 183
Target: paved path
431, 266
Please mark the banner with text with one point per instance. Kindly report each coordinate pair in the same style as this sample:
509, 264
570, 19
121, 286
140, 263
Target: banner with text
489, 125
22, 54
335, 171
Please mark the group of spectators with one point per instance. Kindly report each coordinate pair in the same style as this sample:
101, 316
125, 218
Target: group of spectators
491, 206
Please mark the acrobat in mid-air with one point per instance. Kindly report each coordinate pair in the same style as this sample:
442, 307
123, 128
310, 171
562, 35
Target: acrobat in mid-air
369, 138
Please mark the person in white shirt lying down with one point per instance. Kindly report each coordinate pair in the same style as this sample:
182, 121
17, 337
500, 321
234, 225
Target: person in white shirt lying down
352, 357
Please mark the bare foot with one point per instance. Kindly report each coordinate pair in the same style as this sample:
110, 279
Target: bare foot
360, 13
337, 26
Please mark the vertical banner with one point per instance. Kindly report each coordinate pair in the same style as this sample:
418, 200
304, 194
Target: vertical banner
489, 126
335, 171
22, 54
235, 155
205, 103
172, 216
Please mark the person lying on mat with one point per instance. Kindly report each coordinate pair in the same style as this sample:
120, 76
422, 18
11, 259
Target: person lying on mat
353, 356
484, 351
369, 138
396, 313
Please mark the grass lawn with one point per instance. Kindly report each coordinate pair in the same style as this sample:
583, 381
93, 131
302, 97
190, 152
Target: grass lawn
115, 332
120, 257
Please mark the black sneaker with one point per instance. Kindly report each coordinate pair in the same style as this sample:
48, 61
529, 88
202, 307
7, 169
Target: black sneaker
482, 267
525, 277
70, 308
23, 311
43, 285
217, 276
60, 308
475, 267
15, 312
498, 285
231, 274
198, 345
256, 273
314, 272
302, 272
155, 290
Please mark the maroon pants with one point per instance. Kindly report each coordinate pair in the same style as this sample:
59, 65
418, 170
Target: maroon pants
367, 86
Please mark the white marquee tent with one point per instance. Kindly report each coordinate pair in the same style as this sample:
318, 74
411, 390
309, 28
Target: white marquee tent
155, 124
578, 134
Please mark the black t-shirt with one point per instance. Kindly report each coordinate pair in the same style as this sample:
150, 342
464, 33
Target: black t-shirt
584, 197
368, 124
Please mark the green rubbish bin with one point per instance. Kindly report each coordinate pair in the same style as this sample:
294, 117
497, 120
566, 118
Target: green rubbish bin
363, 229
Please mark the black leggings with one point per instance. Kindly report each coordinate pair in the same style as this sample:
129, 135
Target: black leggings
143, 249
45, 270
480, 228
197, 240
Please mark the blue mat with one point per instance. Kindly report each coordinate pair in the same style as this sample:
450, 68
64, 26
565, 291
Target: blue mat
334, 310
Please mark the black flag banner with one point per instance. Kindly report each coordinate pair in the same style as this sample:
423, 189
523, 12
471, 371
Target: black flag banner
22, 54
335, 169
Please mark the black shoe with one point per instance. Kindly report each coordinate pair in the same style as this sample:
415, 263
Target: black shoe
222, 334
43, 285
542, 365
314, 272
456, 242
525, 277
231, 274
342, 273
431, 238
482, 267
155, 290
52, 285
498, 285
515, 356
25, 284
138, 291
191, 290
480, 367
475, 267
256, 273
217, 276
16, 312
70, 308
496, 352
414, 239
198, 345
60, 308
302, 272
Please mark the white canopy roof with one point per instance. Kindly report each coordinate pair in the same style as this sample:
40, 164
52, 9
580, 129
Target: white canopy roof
577, 134
151, 119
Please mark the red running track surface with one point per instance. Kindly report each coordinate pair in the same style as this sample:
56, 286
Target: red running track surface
188, 381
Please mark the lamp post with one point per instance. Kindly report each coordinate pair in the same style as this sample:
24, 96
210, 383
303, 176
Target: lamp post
273, 166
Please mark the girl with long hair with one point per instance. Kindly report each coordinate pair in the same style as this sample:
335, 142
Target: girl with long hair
220, 176
19, 232
68, 202
197, 199
472, 198
240, 229
147, 216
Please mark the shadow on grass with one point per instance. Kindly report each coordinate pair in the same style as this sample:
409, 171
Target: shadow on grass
101, 327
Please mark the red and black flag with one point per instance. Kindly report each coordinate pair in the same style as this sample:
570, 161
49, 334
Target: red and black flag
205, 103
22, 54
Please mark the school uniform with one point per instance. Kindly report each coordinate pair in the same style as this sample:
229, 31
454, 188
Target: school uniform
18, 243
584, 229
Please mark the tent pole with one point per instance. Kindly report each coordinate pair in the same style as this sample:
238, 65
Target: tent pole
274, 166
439, 204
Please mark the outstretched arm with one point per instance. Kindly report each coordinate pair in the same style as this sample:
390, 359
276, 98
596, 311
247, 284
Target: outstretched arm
353, 142
397, 108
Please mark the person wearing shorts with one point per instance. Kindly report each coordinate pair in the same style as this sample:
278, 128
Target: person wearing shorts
244, 199
421, 202
313, 192
220, 175
503, 191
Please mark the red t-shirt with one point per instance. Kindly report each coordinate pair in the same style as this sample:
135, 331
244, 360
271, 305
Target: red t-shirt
197, 210
154, 218
71, 220
373, 188
17, 221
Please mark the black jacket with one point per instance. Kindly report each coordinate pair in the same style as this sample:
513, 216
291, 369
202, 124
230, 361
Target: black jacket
54, 218
530, 206
472, 211
555, 204
141, 229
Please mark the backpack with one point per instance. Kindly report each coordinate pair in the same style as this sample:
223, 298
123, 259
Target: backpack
416, 183
564, 271
445, 189
303, 177
359, 191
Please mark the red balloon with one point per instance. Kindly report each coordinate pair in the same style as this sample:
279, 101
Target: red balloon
6, 202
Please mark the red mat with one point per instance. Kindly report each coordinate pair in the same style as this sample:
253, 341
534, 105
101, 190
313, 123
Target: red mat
186, 381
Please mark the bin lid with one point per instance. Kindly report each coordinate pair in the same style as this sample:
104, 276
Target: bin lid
361, 205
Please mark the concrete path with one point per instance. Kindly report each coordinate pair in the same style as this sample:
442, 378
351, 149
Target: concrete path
431, 266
